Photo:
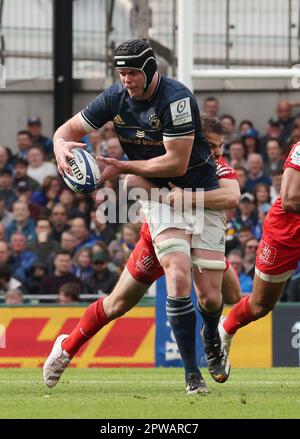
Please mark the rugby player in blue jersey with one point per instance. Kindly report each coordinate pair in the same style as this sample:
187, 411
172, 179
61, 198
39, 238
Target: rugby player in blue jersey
158, 124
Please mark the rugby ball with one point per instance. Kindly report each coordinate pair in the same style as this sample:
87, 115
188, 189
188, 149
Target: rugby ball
86, 173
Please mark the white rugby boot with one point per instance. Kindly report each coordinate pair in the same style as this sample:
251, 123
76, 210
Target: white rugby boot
56, 362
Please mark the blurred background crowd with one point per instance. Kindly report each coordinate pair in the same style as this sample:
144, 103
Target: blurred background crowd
53, 246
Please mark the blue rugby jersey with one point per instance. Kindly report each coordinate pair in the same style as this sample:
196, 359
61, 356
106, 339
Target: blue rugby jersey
171, 113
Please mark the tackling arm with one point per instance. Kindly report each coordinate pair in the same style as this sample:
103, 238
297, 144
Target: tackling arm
227, 197
290, 190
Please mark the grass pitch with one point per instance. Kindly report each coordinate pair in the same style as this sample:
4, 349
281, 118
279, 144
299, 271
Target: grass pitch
149, 393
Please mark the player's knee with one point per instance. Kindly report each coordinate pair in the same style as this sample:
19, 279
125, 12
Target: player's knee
179, 277
211, 303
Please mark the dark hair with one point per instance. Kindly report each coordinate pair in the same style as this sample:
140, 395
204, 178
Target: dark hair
5, 273
19, 133
62, 253
248, 122
211, 98
257, 187
277, 172
228, 116
43, 218
20, 161
213, 125
71, 289
241, 168
275, 139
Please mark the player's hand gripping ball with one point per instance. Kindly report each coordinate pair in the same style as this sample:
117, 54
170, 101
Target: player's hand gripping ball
86, 173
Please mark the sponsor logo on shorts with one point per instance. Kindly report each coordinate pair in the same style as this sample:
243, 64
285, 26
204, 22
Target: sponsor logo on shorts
146, 262
267, 253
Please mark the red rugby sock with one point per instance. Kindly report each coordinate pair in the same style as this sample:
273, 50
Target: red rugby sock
90, 323
239, 316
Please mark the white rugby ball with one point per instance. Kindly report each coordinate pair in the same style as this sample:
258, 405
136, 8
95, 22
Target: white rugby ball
86, 173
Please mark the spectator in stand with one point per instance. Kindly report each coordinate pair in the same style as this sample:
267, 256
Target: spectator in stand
244, 126
102, 281
34, 126
250, 249
21, 222
251, 142
262, 196
95, 140
24, 194
21, 257
241, 177
69, 294
62, 274
24, 143
20, 167
285, 118
99, 247
6, 217
7, 282
34, 278
276, 185
14, 297
274, 160
38, 168
84, 205
5, 159
244, 234
232, 229
237, 154
114, 149
68, 242
68, 200
100, 228
247, 214
229, 123
82, 233
108, 131
295, 138
262, 213
235, 259
82, 263
255, 174
49, 194
274, 131
59, 221
43, 246
6, 189
211, 106
121, 249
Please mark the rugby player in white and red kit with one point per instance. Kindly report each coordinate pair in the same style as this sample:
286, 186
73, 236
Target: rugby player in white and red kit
277, 255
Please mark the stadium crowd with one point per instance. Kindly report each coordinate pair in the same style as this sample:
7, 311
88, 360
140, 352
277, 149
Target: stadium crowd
55, 247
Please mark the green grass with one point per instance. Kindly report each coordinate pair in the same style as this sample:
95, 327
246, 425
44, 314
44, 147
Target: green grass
149, 393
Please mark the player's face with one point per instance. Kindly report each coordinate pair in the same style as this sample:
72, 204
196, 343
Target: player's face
133, 80
216, 142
